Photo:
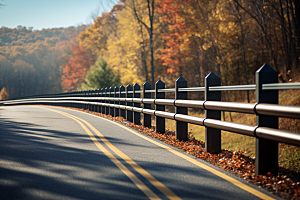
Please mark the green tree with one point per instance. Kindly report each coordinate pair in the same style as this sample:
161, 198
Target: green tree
99, 76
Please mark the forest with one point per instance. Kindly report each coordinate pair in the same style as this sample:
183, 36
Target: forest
147, 40
31, 62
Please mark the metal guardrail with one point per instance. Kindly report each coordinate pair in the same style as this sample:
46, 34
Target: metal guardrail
118, 102
233, 87
280, 86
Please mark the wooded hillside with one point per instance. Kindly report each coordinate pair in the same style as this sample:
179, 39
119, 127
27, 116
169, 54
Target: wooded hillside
31, 62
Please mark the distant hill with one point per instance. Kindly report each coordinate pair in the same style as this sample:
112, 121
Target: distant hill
31, 62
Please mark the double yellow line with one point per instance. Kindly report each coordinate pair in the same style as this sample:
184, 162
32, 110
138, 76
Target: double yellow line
193, 161
147, 191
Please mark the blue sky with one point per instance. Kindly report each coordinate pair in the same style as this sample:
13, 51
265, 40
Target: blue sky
41, 14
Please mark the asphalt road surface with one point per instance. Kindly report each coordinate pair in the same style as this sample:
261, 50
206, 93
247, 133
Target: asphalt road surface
58, 153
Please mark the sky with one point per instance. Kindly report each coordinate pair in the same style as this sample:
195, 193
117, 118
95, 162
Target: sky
43, 14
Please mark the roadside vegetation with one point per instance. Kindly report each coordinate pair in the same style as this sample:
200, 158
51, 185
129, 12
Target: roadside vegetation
289, 155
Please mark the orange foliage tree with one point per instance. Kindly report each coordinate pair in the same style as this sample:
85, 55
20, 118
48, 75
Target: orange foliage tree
175, 51
3, 94
77, 66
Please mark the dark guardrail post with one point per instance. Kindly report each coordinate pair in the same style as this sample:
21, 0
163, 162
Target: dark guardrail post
88, 95
146, 95
93, 101
101, 95
111, 95
76, 105
117, 94
160, 121
129, 116
122, 95
72, 95
72, 99
107, 91
266, 150
136, 115
212, 135
90, 100
97, 95
85, 95
82, 95
181, 127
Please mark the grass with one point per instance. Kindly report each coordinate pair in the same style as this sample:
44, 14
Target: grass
288, 155
230, 141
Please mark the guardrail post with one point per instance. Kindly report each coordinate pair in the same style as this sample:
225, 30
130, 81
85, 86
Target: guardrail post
266, 150
89, 95
136, 115
93, 101
107, 91
72, 95
122, 95
85, 105
98, 106
75, 94
111, 109
95, 95
102, 95
146, 95
160, 121
181, 127
129, 116
117, 94
212, 135
79, 95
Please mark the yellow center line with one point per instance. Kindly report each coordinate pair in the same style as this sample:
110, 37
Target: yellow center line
138, 168
192, 160
149, 193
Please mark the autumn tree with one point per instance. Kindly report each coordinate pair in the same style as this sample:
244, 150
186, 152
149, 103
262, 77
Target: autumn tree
177, 42
3, 94
278, 23
149, 27
99, 76
95, 37
77, 66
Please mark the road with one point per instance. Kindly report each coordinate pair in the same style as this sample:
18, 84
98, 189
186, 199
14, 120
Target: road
58, 153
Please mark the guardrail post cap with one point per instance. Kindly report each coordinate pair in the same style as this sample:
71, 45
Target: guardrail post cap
181, 79
266, 69
212, 75
159, 82
146, 83
128, 86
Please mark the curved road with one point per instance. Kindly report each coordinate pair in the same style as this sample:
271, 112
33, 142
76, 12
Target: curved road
57, 153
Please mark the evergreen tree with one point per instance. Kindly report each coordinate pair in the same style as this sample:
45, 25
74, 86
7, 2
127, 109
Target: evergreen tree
99, 76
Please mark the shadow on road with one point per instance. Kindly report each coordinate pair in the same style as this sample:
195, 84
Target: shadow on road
37, 163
